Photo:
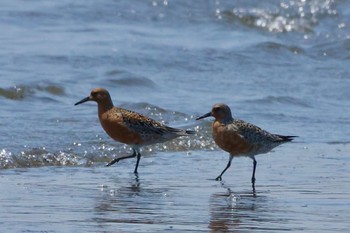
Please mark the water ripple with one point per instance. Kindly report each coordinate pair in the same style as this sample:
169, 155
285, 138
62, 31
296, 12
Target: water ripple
20, 92
273, 47
128, 79
296, 15
281, 100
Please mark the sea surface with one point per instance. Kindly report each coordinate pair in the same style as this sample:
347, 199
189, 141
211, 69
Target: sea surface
283, 65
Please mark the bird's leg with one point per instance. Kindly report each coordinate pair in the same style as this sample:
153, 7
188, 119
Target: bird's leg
253, 176
137, 161
116, 160
227, 166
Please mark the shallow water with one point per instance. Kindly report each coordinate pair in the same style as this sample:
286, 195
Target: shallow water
293, 193
282, 65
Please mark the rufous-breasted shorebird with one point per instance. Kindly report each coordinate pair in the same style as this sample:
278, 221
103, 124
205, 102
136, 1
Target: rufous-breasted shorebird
130, 127
240, 138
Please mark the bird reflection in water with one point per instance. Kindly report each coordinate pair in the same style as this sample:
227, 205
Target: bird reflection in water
229, 210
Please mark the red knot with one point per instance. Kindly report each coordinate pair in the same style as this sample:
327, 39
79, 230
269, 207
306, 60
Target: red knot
240, 138
130, 127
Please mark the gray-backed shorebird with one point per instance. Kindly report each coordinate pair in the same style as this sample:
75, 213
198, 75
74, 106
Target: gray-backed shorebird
240, 138
130, 127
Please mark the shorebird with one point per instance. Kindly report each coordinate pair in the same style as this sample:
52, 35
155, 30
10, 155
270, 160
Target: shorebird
240, 138
130, 127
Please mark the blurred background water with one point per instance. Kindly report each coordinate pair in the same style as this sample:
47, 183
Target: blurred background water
280, 64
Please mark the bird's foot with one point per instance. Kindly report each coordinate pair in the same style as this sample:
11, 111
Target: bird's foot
218, 178
112, 162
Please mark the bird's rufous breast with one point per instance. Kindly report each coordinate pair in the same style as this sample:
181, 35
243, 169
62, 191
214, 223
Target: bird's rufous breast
115, 127
229, 140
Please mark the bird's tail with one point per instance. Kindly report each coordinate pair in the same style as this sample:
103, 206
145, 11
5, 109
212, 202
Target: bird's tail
180, 132
282, 138
190, 132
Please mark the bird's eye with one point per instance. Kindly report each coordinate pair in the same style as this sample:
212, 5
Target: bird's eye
216, 109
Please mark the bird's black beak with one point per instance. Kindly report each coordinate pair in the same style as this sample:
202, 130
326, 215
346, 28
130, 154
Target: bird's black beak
204, 116
83, 100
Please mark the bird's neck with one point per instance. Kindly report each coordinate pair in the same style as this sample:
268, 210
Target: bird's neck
226, 120
105, 106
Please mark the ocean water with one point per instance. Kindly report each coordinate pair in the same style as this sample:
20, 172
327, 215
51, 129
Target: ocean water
282, 65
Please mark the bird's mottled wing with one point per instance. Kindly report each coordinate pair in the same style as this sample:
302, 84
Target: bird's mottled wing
140, 123
148, 128
252, 133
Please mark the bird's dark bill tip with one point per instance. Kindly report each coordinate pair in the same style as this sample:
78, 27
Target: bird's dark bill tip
204, 116
83, 100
